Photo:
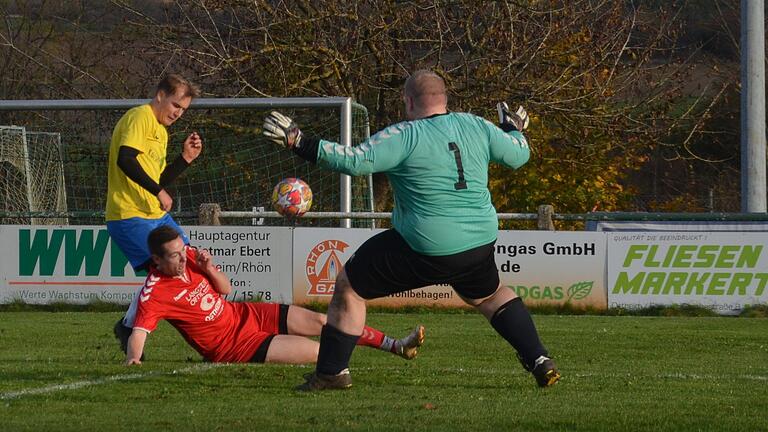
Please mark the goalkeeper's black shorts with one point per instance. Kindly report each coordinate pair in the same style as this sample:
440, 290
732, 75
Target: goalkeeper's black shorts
385, 264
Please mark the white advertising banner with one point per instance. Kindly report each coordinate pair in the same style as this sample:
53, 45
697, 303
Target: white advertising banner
256, 259
69, 264
46, 264
320, 253
676, 226
721, 271
542, 267
554, 268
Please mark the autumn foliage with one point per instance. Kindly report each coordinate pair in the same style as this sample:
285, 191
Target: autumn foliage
628, 100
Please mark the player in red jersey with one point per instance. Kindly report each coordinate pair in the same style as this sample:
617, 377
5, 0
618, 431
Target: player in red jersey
185, 288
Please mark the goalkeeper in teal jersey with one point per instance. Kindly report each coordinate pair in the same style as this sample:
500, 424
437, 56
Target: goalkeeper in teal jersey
444, 225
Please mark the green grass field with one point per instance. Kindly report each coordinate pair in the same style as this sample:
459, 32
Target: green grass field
62, 371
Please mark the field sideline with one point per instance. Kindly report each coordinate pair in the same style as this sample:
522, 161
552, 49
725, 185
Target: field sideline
61, 371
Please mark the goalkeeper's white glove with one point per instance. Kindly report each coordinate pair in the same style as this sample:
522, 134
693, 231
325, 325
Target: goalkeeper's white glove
518, 119
282, 130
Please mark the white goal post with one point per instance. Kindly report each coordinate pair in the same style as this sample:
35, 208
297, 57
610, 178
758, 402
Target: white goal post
343, 105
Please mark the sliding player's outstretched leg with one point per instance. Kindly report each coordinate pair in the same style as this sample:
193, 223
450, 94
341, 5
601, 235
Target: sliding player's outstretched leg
304, 322
408, 347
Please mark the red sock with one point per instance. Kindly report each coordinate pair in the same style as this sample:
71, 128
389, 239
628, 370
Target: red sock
371, 337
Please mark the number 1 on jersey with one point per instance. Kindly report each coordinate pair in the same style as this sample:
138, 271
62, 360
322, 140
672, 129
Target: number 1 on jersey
461, 184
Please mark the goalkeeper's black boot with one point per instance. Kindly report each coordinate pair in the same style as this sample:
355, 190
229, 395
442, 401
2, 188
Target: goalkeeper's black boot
545, 372
122, 333
318, 381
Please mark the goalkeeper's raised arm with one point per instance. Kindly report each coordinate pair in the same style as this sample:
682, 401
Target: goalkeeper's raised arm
378, 153
388, 148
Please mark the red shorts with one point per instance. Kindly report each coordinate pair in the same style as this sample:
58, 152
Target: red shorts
271, 318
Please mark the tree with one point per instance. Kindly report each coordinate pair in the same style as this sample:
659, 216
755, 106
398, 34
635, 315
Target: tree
58, 50
613, 87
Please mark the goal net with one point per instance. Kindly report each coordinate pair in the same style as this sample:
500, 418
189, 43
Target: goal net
237, 169
47, 190
31, 176
15, 186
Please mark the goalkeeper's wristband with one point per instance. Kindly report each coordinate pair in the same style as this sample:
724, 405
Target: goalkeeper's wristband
307, 148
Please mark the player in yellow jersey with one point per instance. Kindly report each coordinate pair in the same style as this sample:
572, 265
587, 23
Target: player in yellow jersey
137, 201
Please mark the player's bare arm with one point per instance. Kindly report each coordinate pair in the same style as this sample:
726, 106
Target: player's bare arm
219, 280
166, 202
135, 347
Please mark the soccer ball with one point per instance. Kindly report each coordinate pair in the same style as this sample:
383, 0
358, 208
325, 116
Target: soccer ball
292, 197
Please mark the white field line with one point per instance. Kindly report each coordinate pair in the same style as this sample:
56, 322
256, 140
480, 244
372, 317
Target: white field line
472, 371
106, 380
680, 376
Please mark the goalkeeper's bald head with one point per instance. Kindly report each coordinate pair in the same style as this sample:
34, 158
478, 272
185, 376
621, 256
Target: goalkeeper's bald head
427, 91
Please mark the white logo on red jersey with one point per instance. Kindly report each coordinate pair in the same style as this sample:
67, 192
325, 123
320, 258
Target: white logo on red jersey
200, 290
149, 285
180, 295
207, 302
216, 310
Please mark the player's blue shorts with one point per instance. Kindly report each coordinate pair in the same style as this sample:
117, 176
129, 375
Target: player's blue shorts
131, 237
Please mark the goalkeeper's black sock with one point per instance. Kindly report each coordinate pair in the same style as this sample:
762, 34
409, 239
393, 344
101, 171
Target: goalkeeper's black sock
513, 322
335, 350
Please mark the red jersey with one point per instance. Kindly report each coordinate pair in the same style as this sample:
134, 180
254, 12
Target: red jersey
221, 331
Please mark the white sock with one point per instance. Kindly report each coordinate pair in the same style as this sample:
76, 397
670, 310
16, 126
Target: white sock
387, 344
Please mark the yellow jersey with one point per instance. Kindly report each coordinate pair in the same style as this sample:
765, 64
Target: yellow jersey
138, 129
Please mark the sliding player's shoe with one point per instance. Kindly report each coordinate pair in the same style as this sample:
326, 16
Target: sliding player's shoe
545, 372
408, 347
317, 381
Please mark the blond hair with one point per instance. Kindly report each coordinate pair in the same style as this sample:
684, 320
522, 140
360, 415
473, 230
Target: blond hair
173, 83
